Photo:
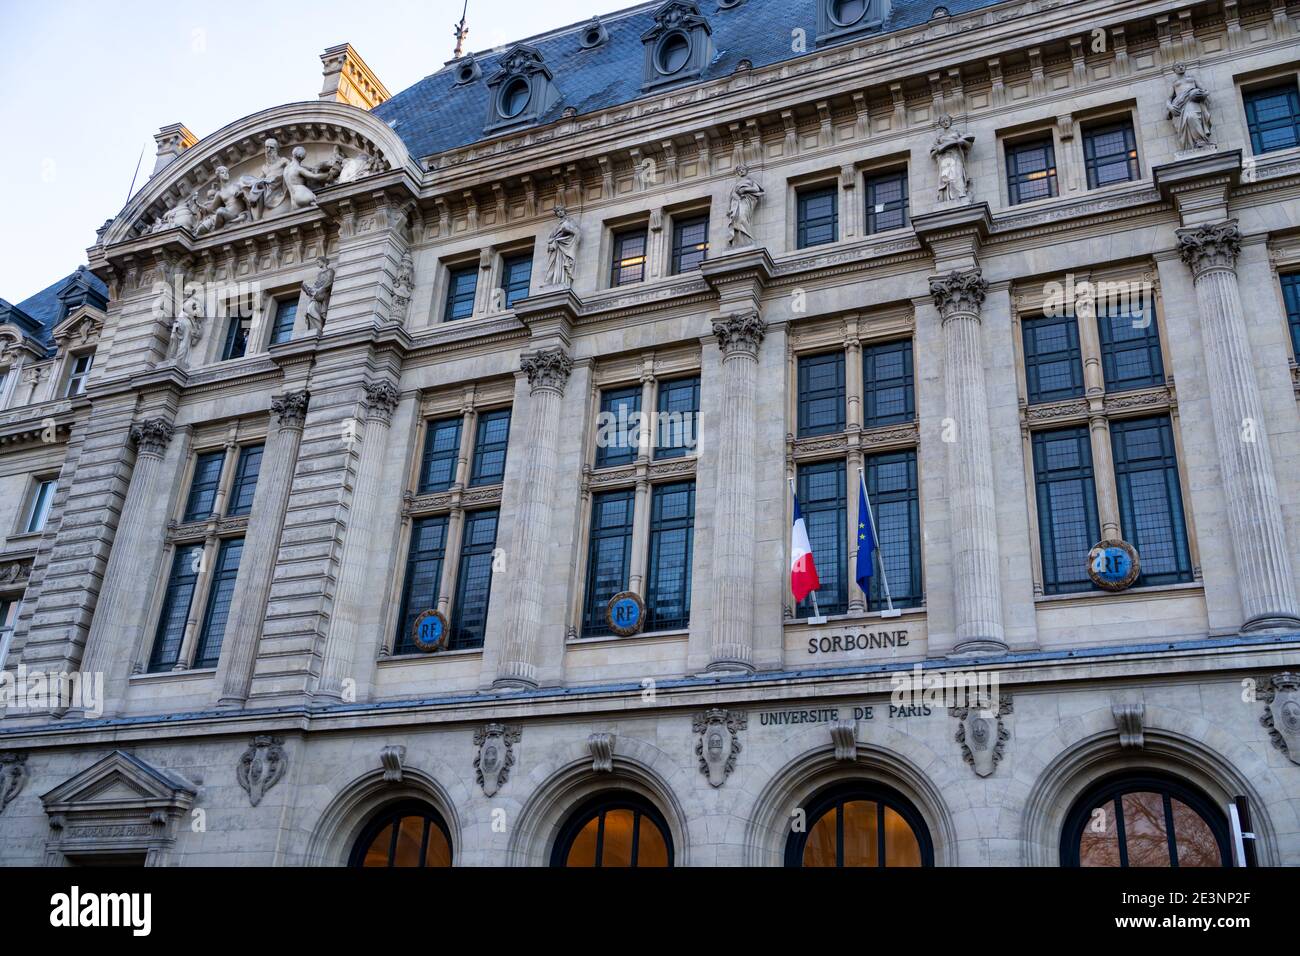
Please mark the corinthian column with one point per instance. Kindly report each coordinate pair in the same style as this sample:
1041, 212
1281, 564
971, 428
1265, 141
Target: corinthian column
958, 296
739, 336
346, 626
262, 544
548, 371
1249, 486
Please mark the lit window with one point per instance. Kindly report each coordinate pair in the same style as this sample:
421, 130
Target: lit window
617, 829
1031, 170
1110, 153
861, 825
629, 257
409, 834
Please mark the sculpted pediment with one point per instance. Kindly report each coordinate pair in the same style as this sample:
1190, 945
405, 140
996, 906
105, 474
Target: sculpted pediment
120, 781
81, 327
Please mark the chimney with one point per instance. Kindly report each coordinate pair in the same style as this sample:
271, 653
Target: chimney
349, 80
172, 141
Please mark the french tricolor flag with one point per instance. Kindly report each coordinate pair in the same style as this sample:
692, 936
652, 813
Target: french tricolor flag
803, 571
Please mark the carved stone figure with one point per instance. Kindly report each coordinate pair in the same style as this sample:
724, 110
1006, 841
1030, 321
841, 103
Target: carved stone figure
982, 735
267, 191
562, 250
318, 295
949, 154
184, 215
1189, 109
225, 204
13, 774
745, 196
1282, 714
296, 178
495, 756
402, 287
185, 334
261, 766
345, 169
719, 742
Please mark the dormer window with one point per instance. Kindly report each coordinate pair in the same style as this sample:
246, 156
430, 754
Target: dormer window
679, 46
843, 19
514, 98
593, 34
467, 71
522, 90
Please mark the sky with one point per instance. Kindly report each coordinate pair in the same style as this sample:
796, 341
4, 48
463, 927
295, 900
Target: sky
86, 84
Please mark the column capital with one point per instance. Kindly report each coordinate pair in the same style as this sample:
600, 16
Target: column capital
152, 436
291, 408
547, 369
1210, 247
381, 400
959, 291
740, 333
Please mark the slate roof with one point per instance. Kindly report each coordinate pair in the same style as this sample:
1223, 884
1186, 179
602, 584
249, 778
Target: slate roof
38, 315
434, 115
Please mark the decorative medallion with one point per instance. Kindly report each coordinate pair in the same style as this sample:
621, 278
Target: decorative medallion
496, 755
719, 742
262, 766
982, 735
13, 774
1113, 564
625, 613
429, 632
1282, 714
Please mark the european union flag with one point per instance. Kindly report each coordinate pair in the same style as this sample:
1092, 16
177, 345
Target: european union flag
866, 541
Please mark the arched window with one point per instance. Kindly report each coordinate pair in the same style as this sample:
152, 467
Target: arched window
860, 824
1148, 819
410, 833
615, 829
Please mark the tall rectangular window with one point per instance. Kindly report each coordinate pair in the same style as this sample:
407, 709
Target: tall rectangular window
677, 425
462, 283
690, 243
1110, 152
78, 375
490, 443
8, 621
236, 344
441, 449
516, 277
886, 197
1067, 507
1031, 170
1273, 118
286, 313
672, 530
176, 607
609, 555
221, 592
822, 502
618, 427
423, 577
895, 504
1150, 499
474, 580
204, 485
818, 215
821, 394
1130, 345
246, 472
1291, 296
38, 510
1053, 366
887, 392
629, 257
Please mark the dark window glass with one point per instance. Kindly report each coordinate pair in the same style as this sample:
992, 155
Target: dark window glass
895, 503
887, 392
490, 447
204, 484
629, 257
220, 593
441, 449
690, 243
825, 512
1053, 367
679, 417
672, 524
1110, 153
860, 824
618, 429
42, 500
608, 557
1130, 345
516, 277
1291, 295
1067, 507
821, 394
818, 216
286, 313
886, 201
462, 283
236, 345
423, 577
1031, 170
408, 834
176, 607
1273, 116
474, 580
77, 376
241, 495
615, 829
1150, 500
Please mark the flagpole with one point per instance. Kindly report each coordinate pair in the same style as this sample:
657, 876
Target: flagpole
880, 556
817, 613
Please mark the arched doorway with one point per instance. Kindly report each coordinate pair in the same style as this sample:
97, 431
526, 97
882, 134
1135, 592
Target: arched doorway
860, 823
410, 833
617, 828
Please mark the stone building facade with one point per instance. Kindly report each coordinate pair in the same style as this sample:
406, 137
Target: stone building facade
329, 535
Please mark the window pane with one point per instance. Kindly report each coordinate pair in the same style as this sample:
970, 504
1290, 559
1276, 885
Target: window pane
1031, 171
1273, 116
236, 345
1145, 836
822, 502
410, 837
423, 577
221, 593
1193, 837
42, 500
1150, 500
618, 427
203, 487
1130, 344
1099, 845
490, 447
1053, 367
893, 491
286, 313
176, 608
651, 850
474, 580
1110, 153
517, 278
886, 201
818, 214
887, 384
677, 424
629, 257
246, 472
441, 449
609, 553
901, 846
462, 283
820, 848
377, 852
1067, 507
821, 394
616, 848
861, 840
1291, 296
668, 591
690, 243
583, 851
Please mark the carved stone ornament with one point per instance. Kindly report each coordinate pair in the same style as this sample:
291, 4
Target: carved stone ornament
602, 752
1188, 108
562, 250
742, 203
982, 735
392, 757
496, 755
1128, 721
186, 331
844, 738
949, 153
261, 766
318, 295
547, 369
290, 409
959, 292
718, 745
15, 572
13, 774
152, 436
1282, 714
1206, 248
381, 399
403, 286
740, 333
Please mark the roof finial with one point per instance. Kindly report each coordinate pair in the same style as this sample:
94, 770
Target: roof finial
460, 33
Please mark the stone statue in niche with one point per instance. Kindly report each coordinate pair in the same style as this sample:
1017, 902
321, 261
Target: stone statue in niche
743, 202
184, 215
562, 250
1189, 110
949, 154
185, 334
225, 203
318, 295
